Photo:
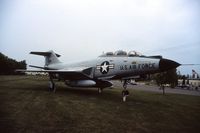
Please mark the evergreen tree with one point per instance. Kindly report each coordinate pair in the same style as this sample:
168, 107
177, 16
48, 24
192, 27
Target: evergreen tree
168, 77
8, 65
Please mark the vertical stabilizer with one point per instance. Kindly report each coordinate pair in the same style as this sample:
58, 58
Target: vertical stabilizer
50, 57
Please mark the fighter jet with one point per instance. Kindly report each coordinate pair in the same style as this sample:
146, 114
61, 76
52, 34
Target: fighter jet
99, 72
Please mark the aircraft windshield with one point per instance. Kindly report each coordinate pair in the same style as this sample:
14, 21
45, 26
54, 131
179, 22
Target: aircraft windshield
134, 53
120, 52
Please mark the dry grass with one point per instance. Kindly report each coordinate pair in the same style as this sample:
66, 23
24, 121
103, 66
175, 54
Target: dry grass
27, 106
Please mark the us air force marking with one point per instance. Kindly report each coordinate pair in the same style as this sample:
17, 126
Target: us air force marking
104, 67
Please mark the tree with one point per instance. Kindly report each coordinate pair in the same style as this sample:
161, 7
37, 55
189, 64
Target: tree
184, 78
8, 65
168, 77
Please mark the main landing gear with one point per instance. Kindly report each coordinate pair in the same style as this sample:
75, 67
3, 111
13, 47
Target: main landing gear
100, 90
125, 92
51, 84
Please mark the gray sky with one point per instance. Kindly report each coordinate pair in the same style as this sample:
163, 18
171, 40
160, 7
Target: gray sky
83, 29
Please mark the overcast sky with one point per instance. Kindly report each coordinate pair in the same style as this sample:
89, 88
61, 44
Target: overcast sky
83, 29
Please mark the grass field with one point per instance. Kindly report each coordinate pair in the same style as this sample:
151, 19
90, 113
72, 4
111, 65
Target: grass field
27, 106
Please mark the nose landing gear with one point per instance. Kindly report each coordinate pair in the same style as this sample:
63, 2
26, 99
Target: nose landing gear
125, 92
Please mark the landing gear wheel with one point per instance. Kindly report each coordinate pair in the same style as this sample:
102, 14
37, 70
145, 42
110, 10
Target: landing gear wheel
52, 85
124, 98
100, 90
125, 93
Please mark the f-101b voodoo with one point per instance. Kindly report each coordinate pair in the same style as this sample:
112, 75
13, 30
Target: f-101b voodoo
99, 72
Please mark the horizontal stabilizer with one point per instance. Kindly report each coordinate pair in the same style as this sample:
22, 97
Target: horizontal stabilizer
37, 67
44, 53
50, 57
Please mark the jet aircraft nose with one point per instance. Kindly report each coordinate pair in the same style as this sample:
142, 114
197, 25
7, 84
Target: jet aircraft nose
166, 64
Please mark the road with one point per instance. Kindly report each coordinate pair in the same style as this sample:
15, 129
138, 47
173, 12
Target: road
155, 88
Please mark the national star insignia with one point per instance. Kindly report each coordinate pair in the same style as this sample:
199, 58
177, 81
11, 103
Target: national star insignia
104, 67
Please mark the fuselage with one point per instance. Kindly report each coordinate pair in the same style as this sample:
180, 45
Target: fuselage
108, 66
119, 67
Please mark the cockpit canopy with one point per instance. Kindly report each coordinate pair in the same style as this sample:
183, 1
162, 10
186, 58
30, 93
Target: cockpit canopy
134, 53
122, 53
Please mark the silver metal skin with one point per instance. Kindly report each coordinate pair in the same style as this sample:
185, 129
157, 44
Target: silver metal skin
98, 72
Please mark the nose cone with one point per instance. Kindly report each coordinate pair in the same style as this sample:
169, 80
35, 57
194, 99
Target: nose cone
166, 64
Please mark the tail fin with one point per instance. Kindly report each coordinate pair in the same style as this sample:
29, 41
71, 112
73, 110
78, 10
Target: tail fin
50, 57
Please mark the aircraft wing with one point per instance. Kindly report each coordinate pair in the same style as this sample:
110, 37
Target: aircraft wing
70, 73
107, 78
131, 77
